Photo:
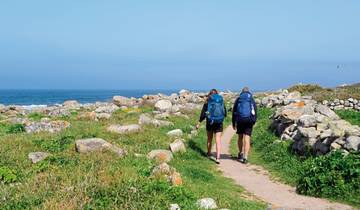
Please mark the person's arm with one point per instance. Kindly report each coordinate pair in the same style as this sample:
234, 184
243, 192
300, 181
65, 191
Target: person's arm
255, 107
234, 113
202, 115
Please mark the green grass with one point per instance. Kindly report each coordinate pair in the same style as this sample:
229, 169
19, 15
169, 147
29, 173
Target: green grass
319, 93
332, 176
70, 180
350, 115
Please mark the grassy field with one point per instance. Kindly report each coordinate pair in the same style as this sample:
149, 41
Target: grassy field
352, 116
332, 176
68, 180
319, 93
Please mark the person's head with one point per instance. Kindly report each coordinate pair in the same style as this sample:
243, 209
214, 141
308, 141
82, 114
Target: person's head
212, 92
245, 89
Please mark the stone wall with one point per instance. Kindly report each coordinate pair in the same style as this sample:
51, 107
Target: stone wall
310, 125
337, 104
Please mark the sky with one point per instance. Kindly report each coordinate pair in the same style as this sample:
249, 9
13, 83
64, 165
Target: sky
194, 44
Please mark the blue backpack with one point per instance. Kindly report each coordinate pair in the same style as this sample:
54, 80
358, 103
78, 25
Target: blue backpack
216, 111
244, 107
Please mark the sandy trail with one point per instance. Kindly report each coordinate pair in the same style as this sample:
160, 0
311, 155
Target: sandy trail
257, 181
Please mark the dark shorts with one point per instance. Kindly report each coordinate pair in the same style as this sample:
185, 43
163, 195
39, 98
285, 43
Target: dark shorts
245, 128
215, 127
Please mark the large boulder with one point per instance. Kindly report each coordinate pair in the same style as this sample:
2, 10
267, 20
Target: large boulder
162, 156
122, 101
324, 110
178, 146
307, 121
163, 105
124, 129
96, 145
109, 109
352, 143
36, 157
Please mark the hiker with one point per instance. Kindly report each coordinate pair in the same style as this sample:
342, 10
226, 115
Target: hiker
243, 120
214, 111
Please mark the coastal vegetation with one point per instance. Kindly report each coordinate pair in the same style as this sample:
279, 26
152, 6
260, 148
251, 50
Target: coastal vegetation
332, 176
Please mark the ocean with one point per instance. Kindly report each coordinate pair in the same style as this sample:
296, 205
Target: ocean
51, 97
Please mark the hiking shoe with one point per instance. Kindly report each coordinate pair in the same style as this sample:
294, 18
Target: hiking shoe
240, 157
217, 161
244, 161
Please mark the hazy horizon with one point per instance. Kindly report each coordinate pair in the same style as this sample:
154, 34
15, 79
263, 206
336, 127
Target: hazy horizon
162, 45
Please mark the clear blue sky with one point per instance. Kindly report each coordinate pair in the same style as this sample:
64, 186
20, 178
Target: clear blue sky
166, 44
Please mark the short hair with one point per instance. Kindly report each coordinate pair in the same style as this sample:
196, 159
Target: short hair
246, 89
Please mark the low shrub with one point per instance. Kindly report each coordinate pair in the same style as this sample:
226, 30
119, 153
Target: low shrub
332, 176
16, 128
35, 116
7, 175
57, 144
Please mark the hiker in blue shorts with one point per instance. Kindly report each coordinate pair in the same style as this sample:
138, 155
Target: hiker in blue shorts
214, 111
243, 120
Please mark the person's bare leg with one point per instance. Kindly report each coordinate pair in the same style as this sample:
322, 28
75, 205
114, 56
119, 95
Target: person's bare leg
240, 143
218, 145
209, 142
246, 146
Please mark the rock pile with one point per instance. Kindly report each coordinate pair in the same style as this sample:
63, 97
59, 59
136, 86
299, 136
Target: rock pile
314, 126
165, 171
283, 98
338, 104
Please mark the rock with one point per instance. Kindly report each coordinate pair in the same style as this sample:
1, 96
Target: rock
322, 126
174, 207
326, 134
184, 92
124, 129
122, 101
206, 203
162, 170
145, 119
307, 121
103, 116
36, 157
352, 131
162, 156
176, 179
309, 132
109, 109
91, 116
175, 133
52, 127
59, 112
96, 145
335, 146
324, 110
352, 143
71, 104
178, 146
163, 105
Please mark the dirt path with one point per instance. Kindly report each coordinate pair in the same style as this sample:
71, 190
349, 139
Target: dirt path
256, 181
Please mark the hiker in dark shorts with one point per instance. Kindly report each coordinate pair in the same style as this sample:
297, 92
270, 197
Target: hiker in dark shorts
214, 111
243, 120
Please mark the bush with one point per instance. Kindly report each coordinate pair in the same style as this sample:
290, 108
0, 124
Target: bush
306, 89
58, 144
16, 128
7, 175
35, 116
333, 176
